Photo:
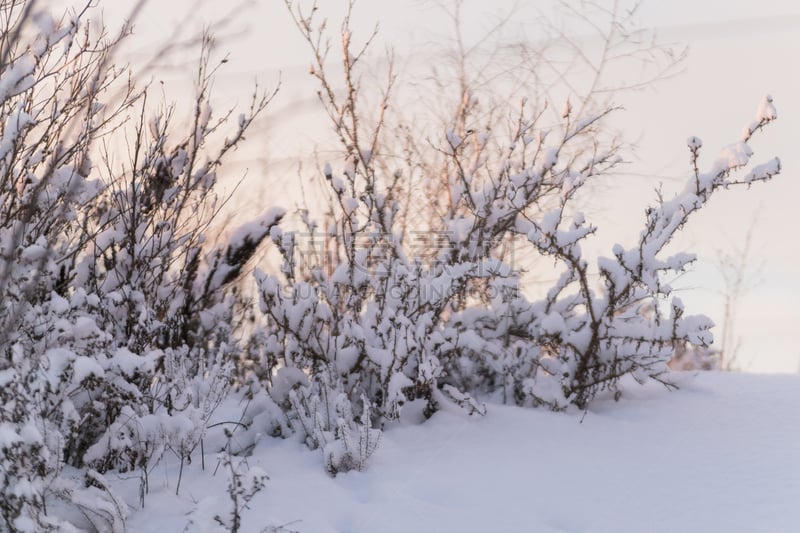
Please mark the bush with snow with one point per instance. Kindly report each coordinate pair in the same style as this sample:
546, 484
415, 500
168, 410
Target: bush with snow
403, 332
118, 321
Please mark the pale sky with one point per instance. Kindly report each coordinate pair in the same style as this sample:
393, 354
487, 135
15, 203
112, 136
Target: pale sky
738, 52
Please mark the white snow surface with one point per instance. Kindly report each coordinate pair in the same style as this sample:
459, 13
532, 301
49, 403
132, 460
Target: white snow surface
722, 454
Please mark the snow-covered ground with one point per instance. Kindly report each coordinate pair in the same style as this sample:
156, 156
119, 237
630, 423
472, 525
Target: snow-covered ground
722, 454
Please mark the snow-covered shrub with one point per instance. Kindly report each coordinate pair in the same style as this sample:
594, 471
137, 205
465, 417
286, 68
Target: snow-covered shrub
165, 291
244, 482
323, 413
367, 315
118, 321
48, 121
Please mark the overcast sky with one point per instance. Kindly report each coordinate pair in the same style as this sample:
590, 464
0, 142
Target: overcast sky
739, 50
